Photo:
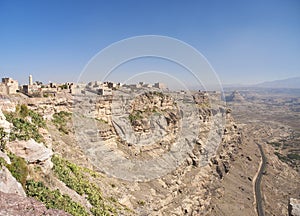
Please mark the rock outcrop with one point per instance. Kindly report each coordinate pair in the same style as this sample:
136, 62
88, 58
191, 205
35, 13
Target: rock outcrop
3, 123
235, 97
8, 184
294, 207
229, 147
13, 204
5, 157
32, 152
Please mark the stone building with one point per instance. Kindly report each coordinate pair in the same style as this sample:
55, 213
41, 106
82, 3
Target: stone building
32, 90
105, 91
77, 88
9, 86
159, 85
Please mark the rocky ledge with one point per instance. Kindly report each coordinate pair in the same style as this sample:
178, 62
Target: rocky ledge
13, 204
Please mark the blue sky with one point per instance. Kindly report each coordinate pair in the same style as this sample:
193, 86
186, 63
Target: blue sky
245, 41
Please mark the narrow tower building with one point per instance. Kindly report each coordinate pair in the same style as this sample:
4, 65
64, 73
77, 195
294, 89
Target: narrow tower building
30, 80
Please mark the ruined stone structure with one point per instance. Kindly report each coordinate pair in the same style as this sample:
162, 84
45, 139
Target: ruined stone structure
9, 86
95, 87
77, 88
32, 90
159, 85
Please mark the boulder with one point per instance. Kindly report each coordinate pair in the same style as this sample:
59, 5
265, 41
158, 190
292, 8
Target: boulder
8, 184
30, 150
294, 207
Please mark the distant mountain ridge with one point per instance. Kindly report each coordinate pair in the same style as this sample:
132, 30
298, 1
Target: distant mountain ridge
284, 83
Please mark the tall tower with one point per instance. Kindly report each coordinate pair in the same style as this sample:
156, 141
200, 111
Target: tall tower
30, 80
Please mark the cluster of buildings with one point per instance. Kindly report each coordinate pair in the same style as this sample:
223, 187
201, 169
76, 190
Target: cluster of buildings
106, 88
96, 87
9, 86
37, 89
146, 85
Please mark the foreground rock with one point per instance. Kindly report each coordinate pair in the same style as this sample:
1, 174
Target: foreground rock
13, 204
8, 184
32, 152
3, 123
294, 207
5, 157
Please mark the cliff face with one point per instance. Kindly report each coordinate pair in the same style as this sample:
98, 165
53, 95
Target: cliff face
235, 97
141, 129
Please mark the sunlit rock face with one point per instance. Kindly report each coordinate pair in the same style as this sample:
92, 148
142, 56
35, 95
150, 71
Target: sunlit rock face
3, 123
32, 152
8, 184
294, 207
